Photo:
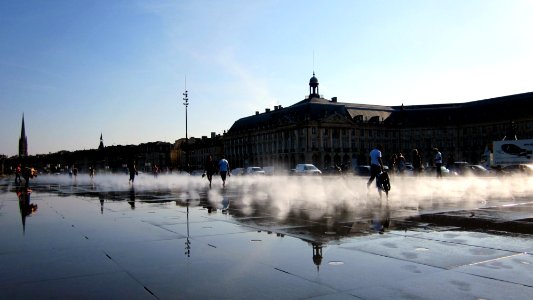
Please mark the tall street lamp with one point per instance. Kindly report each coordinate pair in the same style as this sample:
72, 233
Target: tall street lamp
186, 103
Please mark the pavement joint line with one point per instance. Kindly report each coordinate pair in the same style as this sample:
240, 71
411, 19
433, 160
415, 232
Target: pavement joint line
497, 279
396, 258
494, 259
456, 243
129, 274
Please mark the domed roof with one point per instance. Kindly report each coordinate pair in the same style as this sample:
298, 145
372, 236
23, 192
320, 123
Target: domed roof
313, 79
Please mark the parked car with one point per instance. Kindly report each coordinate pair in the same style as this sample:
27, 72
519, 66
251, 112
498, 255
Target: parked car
525, 169
237, 171
458, 167
476, 170
306, 169
432, 171
364, 170
254, 171
197, 172
332, 170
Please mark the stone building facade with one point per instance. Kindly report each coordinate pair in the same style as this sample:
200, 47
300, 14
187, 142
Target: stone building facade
327, 132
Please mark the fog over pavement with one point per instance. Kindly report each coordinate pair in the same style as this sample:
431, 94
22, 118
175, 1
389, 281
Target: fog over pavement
317, 195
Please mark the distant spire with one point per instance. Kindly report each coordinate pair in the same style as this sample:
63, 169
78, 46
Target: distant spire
23, 131
101, 146
23, 141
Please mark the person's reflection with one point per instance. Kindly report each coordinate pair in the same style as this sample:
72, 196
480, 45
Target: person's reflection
26, 208
132, 198
225, 204
317, 255
101, 197
381, 220
205, 203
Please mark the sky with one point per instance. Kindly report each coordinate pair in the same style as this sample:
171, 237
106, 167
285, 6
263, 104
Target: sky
77, 69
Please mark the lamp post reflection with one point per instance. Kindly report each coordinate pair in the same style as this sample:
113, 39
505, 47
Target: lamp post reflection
187, 241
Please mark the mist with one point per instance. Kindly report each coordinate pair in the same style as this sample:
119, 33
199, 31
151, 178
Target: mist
317, 196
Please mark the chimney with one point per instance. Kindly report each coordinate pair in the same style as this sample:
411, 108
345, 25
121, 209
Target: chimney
213, 135
256, 112
267, 110
334, 99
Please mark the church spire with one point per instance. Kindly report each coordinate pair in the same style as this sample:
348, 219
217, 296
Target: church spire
23, 141
101, 146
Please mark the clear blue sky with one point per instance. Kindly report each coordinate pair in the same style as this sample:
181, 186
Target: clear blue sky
80, 68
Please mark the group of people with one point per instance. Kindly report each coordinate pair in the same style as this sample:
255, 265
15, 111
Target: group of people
24, 172
397, 162
397, 165
211, 168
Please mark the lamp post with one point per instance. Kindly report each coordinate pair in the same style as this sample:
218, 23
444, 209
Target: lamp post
186, 103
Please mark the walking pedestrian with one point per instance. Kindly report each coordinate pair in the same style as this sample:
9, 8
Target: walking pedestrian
417, 162
18, 172
376, 163
223, 168
401, 163
209, 169
132, 170
91, 171
438, 162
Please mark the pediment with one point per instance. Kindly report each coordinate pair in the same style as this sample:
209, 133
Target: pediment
335, 118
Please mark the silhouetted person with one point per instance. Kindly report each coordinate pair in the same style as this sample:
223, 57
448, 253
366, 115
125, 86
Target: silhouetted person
401, 163
132, 170
18, 172
28, 173
393, 164
376, 163
438, 162
91, 171
74, 171
210, 169
417, 162
383, 183
223, 168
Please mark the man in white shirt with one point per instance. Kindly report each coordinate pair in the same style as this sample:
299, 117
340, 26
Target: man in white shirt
376, 163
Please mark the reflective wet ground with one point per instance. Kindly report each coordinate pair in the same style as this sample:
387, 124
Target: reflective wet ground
173, 237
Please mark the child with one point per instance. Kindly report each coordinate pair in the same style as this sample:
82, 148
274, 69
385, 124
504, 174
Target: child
383, 184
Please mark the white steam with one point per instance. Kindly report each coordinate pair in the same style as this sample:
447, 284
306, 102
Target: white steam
316, 196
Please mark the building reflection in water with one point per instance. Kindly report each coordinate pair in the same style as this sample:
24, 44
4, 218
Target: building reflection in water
317, 255
26, 207
316, 227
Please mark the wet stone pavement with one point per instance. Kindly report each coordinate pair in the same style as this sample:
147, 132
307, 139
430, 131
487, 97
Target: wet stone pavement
259, 238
